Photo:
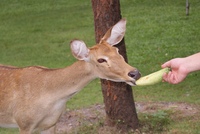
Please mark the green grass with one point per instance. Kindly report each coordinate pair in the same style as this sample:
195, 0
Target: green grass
38, 33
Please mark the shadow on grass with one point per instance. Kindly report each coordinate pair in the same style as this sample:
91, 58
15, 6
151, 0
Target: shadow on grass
157, 122
153, 123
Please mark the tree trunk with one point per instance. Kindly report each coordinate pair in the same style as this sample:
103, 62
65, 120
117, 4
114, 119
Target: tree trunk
187, 7
118, 97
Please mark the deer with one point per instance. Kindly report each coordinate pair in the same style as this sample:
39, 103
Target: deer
33, 98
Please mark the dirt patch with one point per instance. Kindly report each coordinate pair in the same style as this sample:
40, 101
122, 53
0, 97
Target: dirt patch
184, 109
76, 118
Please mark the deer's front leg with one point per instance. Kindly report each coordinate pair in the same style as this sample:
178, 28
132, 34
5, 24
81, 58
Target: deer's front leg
49, 131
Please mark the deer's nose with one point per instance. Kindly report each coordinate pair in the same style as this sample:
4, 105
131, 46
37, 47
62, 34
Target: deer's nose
134, 74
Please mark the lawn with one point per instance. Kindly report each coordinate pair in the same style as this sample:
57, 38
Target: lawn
38, 33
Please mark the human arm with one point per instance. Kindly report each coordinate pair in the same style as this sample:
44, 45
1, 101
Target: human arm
181, 67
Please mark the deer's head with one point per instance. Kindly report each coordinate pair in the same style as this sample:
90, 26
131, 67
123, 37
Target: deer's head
107, 62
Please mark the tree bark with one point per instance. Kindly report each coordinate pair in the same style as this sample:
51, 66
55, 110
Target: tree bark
118, 97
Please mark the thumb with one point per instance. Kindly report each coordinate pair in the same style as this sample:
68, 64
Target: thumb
166, 64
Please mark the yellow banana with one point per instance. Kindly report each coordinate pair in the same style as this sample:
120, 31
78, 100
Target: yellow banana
152, 78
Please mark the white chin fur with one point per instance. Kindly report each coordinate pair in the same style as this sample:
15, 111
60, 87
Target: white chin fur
131, 83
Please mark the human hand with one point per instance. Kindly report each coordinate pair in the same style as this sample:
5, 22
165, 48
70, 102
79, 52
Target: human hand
178, 71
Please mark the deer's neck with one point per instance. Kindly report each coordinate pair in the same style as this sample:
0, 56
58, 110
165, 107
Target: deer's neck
72, 79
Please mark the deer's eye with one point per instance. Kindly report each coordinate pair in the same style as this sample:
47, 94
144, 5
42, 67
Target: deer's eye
101, 60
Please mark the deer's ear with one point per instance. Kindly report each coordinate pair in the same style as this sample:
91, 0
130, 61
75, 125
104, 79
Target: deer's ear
79, 50
115, 34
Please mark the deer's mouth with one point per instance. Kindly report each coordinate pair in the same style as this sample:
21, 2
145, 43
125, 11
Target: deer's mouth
131, 83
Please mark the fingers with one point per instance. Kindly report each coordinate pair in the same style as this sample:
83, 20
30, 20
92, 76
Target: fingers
166, 77
170, 78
